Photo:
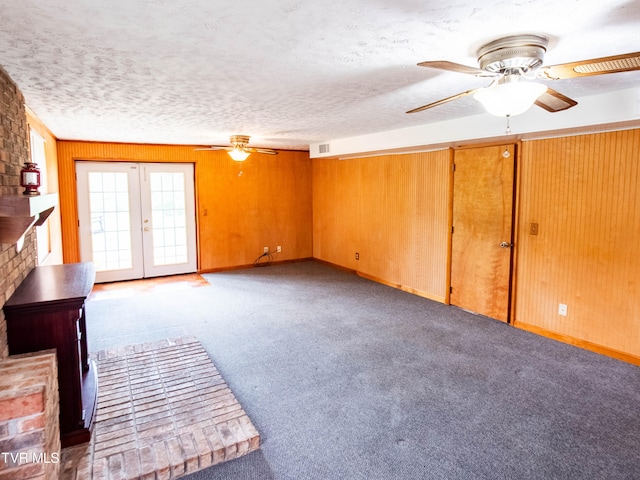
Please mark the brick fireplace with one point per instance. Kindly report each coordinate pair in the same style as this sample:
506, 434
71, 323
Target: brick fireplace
14, 151
29, 433
29, 437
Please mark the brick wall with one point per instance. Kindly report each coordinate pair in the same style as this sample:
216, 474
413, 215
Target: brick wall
14, 151
29, 426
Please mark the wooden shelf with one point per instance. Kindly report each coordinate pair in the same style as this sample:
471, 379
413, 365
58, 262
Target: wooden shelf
18, 213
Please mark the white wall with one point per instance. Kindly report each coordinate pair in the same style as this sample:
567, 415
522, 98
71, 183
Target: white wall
611, 111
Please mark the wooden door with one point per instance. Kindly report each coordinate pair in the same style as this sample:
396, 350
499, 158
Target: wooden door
482, 230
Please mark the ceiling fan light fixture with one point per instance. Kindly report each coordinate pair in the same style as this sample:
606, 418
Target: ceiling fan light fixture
239, 154
239, 151
509, 98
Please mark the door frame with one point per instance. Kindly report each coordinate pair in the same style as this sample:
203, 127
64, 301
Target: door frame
151, 270
514, 221
85, 248
137, 227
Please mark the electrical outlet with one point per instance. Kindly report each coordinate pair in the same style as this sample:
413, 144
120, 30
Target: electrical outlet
266, 250
278, 249
562, 310
357, 256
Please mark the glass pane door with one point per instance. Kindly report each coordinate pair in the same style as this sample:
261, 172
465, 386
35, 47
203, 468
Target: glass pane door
136, 220
109, 213
169, 218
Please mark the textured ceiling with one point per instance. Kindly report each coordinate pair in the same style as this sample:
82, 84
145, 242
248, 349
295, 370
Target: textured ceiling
287, 72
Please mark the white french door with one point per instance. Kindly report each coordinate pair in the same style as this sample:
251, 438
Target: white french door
137, 220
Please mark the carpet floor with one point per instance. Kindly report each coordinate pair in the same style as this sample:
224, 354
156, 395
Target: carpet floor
345, 378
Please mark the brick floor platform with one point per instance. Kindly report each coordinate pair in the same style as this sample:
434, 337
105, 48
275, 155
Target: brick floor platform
163, 411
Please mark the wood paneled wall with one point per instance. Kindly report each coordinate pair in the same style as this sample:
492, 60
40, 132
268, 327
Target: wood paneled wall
393, 211
584, 193
241, 207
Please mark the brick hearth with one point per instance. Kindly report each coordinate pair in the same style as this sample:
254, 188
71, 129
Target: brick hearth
29, 428
163, 411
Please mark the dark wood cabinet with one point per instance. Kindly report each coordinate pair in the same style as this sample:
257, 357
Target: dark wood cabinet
48, 311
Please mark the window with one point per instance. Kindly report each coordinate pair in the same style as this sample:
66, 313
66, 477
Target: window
38, 156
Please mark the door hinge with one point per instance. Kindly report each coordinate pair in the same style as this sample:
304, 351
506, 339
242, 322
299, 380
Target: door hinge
453, 167
450, 289
452, 229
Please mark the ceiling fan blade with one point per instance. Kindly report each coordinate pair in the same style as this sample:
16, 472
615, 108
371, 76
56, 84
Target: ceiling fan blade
457, 67
595, 66
444, 100
553, 101
266, 151
214, 148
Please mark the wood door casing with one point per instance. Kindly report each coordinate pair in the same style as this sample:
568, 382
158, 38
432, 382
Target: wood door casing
482, 219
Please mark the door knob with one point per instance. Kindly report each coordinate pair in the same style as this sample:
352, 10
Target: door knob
146, 229
506, 245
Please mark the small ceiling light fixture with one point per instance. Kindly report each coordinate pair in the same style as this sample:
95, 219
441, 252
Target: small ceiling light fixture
508, 96
238, 153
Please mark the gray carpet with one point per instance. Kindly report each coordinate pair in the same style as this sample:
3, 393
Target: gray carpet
345, 378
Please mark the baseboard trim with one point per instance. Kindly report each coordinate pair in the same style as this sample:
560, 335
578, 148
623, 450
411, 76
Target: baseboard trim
252, 265
373, 278
335, 265
576, 342
404, 288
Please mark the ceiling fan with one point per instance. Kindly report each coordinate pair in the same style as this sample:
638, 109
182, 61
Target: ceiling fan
514, 62
239, 150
